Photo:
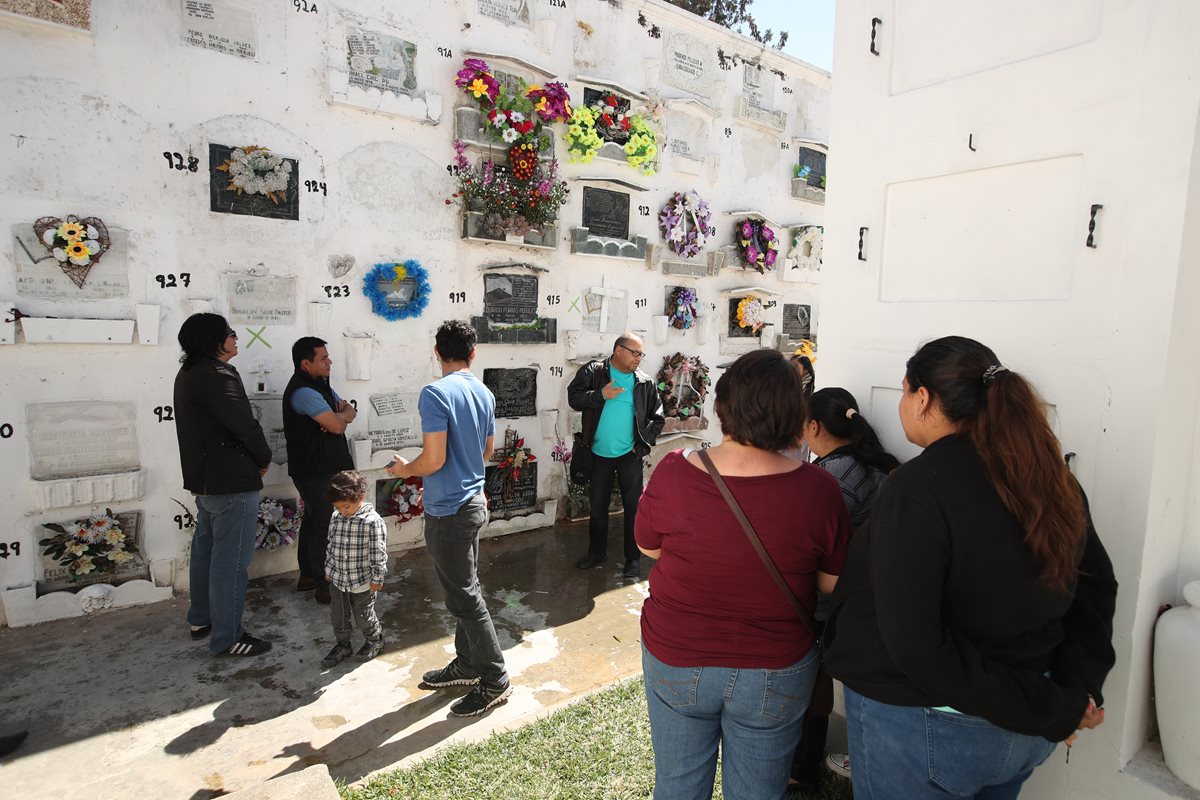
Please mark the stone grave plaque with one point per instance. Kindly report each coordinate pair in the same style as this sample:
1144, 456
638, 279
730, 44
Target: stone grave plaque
509, 12
515, 391
381, 62
393, 421
522, 494
257, 300
38, 273
797, 321
219, 26
58, 576
690, 63
284, 203
758, 86
811, 166
687, 136
606, 213
510, 299
268, 410
84, 437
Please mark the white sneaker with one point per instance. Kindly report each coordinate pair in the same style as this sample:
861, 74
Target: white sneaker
838, 763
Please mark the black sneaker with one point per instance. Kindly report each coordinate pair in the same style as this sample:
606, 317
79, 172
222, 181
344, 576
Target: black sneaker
480, 699
340, 651
450, 675
589, 561
633, 569
370, 649
248, 646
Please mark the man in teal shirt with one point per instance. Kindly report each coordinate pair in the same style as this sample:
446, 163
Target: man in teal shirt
621, 420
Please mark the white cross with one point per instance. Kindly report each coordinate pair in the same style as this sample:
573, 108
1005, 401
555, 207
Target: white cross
605, 292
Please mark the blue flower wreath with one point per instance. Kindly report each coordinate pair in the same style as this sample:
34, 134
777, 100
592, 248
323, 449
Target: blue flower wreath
375, 281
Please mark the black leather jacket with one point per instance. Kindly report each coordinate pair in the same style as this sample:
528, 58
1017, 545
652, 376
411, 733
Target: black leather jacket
221, 445
584, 394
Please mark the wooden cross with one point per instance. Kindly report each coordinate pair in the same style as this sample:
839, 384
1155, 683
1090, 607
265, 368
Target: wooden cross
606, 293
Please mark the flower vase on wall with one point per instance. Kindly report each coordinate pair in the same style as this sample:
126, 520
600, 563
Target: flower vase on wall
1176, 667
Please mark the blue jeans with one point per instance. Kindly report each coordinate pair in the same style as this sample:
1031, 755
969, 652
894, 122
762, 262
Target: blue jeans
453, 545
755, 715
913, 753
222, 545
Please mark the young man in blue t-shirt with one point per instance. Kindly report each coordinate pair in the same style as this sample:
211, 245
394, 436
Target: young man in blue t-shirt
458, 423
621, 421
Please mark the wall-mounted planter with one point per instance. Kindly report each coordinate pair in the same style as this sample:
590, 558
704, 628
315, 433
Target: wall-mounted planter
802, 191
23, 607
473, 231
89, 490
659, 257
148, 323
46, 330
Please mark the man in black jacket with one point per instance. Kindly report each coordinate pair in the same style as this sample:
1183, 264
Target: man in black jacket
621, 420
224, 455
314, 424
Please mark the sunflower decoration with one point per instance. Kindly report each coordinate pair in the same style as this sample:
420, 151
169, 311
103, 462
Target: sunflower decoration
523, 160
76, 244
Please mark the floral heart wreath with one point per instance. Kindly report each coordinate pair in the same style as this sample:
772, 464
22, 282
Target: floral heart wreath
76, 244
381, 275
685, 222
757, 244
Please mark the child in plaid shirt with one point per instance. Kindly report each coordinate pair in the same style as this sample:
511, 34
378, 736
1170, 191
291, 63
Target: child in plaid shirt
355, 563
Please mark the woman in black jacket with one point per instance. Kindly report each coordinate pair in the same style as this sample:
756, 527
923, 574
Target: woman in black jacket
973, 624
224, 455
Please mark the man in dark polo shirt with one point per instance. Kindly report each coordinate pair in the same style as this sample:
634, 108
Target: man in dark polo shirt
314, 424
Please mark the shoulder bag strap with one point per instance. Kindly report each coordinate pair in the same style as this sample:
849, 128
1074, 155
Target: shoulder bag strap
800, 610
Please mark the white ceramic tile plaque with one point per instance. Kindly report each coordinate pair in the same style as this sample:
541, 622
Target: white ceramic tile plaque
255, 300
393, 421
85, 437
219, 26
37, 272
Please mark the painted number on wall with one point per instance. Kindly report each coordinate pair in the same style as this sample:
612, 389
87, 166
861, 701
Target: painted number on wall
353, 403
169, 281
785, 146
458, 297
558, 3
10, 549
644, 210
6, 431
185, 520
640, 303
336, 291
728, 132
164, 413
304, 7
556, 372
787, 90
553, 299
317, 186
445, 52
175, 161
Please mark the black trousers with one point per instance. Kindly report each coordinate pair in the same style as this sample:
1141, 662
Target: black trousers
628, 469
314, 526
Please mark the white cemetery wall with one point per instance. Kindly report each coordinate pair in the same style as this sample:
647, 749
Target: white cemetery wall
969, 157
94, 126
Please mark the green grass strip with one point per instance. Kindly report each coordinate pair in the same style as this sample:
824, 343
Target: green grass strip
598, 747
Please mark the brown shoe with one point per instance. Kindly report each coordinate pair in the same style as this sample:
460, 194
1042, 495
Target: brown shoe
323, 596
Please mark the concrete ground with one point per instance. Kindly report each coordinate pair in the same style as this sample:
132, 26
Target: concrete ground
124, 704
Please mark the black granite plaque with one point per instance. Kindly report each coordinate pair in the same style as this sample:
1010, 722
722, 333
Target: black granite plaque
814, 160
515, 390
797, 321
522, 494
225, 200
606, 213
510, 299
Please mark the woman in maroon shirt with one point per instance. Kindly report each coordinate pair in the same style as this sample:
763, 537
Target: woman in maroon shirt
725, 658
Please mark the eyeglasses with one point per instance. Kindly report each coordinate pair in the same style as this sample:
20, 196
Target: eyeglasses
230, 333
636, 353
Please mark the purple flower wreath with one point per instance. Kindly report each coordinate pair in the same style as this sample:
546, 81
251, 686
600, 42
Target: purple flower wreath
685, 222
757, 244
681, 308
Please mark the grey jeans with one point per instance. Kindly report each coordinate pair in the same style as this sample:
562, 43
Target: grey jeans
453, 545
362, 606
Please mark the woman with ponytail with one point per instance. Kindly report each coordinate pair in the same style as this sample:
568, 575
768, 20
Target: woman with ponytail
972, 626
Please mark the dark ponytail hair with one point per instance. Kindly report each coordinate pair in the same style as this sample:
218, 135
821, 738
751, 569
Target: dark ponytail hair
999, 412
830, 408
810, 375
